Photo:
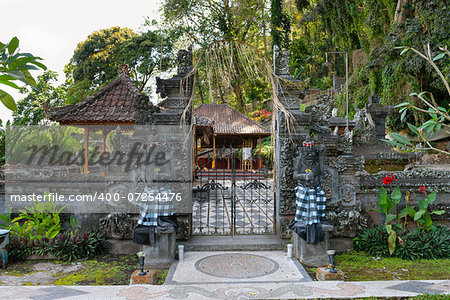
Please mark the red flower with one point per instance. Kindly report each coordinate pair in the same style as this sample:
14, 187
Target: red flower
388, 180
422, 188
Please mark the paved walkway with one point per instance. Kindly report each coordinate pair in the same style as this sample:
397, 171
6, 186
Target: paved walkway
234, 275
274, 290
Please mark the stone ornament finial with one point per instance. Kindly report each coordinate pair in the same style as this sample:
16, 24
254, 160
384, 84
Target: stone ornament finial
124, 69
184, 61
282, 62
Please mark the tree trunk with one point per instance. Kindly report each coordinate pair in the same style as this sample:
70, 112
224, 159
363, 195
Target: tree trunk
400, 13
237, 86
264, 27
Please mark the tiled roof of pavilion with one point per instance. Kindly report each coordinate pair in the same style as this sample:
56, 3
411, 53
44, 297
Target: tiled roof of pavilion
113, 104
228, 121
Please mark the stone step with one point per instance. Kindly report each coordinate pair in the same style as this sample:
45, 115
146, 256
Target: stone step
236, 243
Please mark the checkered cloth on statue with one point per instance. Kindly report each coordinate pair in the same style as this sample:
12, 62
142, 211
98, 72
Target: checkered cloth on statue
311, 204
151, 210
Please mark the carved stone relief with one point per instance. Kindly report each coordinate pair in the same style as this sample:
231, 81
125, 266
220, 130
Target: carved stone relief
347, 195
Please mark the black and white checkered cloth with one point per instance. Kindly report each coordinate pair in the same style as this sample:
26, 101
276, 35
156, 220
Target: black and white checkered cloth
310, 204
151, 210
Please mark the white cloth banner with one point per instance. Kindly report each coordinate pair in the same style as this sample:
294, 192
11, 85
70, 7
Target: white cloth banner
247, 153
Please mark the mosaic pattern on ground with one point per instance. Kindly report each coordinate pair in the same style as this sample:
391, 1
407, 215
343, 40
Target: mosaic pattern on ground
236, 265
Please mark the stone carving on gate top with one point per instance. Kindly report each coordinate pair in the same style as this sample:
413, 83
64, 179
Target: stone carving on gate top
185, 61
282, 62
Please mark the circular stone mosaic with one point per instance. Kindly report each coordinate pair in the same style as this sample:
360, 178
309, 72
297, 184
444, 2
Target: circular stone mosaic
236, 265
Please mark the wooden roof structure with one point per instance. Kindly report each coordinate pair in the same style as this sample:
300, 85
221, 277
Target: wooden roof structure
122, 103
229, 121
111, 105
220, 125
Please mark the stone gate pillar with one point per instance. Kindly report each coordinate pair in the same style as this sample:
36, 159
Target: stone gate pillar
286, 139
339, 179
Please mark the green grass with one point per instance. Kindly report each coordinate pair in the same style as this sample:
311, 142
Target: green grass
106, 270
161, 277
102, 270
420, 297
358, 266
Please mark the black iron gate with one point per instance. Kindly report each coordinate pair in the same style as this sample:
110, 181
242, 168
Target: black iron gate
233, 197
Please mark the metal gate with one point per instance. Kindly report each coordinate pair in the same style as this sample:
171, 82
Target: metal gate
236, 198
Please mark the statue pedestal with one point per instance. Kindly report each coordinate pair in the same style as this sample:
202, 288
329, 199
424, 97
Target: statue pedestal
162, 254
4, 247
314, 255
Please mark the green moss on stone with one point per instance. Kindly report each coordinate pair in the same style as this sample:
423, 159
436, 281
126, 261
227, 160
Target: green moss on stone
100, 273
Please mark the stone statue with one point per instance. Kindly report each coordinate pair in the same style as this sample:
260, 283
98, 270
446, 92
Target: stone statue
310, 197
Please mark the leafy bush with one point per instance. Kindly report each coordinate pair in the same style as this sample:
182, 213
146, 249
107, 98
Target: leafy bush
19, 248
266, 151
393, 219
372, 240
67, 246
72, 246
415, 244
38, 221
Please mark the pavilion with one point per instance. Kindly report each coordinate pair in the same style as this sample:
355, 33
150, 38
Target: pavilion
219, 126
120, 103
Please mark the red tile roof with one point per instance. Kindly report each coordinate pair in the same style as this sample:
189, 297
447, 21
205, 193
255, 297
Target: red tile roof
112, 104
227, 120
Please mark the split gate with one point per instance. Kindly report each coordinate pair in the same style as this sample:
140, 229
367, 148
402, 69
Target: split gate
236, 198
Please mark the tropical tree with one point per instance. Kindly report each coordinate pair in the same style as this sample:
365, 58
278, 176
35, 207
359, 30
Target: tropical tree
14, 67
205, 23
96, 60
280, 23
146, 53
30, 109
94, 63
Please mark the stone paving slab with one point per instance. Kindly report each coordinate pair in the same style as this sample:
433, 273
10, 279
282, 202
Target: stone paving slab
277, 290
43, 274
236, 267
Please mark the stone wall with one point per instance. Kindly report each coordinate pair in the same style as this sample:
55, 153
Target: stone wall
410, 180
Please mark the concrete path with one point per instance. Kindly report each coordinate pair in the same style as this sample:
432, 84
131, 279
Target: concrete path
234, 275
273, 290
220, 267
